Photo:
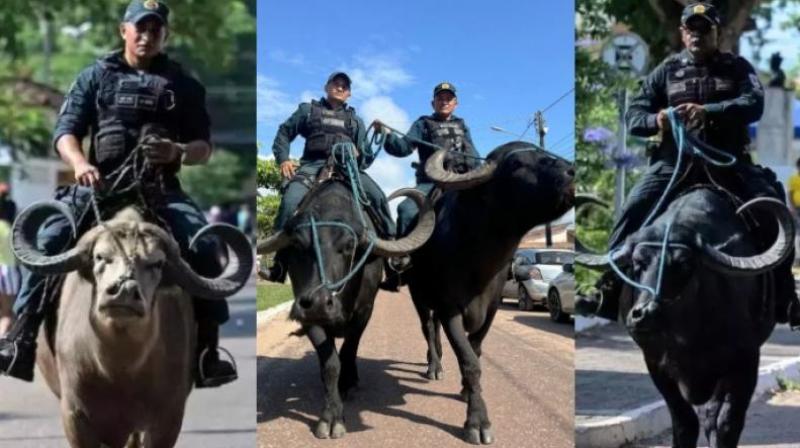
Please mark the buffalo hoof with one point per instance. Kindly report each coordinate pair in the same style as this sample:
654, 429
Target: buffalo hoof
478, 436
435, 374
324, 430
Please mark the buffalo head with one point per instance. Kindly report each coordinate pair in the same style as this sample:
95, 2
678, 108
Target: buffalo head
518, 176
687, 259
341, 241
127, 260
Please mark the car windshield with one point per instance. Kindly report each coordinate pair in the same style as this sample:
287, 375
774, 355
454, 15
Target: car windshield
555, 257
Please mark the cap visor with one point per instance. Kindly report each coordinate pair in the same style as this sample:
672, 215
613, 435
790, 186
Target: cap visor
144, 15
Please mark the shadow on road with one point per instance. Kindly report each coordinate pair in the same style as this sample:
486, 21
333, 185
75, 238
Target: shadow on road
541, 321
291, 388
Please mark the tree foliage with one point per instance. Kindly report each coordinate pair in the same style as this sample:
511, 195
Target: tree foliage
226, 178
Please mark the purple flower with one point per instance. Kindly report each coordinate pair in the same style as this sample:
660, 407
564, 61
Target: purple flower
597, 135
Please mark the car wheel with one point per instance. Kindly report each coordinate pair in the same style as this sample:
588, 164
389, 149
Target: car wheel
554, 306
525, 302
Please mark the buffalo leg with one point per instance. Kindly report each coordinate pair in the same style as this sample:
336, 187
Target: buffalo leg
430, 330
730, 421
331, 422
685, 425
477, 428
476, 338
77, 428
348, 380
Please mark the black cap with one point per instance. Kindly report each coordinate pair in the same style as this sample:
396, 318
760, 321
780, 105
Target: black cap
704, 10
140, 9
444, 87
335, 75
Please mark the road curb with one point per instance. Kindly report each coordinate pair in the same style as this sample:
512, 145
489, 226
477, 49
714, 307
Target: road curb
268, 314
653, 418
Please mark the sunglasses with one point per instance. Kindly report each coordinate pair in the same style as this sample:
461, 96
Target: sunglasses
699, 26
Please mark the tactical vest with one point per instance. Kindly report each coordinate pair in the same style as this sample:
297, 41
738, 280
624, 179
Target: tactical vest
708, 83
326, 127
130, 105
450, 135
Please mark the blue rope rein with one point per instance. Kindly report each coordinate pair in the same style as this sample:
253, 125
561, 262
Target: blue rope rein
344, 158
684, 142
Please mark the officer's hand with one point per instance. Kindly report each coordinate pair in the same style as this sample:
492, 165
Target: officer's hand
287, 169
692, 114
161, 151
87, 174
378, 125
662, 120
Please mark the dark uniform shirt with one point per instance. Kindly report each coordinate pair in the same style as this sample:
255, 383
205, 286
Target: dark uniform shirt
419, 131
99, 103
299, 124
726, 85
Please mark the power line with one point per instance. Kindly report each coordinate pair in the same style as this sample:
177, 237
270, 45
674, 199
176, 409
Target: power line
559, 99
561, 140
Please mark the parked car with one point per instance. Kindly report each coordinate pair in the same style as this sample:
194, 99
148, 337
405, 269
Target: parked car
561, 295
530, 275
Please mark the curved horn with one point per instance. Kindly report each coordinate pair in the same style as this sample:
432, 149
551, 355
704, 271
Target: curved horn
273, 243
434, 168
236, 273
426, 220
24, 234
759, 263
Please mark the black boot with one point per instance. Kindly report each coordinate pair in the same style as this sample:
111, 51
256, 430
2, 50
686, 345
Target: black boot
211, 371
605, 303
18, 347
394, 267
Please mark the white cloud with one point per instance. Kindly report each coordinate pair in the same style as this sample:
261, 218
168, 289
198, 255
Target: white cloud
376, 75
273, 104
307, 95
384, 108
391, 174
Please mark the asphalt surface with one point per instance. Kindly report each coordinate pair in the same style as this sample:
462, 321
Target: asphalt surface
611, 376
527, 379
215, 418
771, 423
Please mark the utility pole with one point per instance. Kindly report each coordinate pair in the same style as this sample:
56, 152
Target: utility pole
538, 119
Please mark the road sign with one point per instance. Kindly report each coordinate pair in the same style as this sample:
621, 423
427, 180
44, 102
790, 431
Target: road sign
627, 52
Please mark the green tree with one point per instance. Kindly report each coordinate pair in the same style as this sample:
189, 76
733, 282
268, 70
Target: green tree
228, 177
268, 180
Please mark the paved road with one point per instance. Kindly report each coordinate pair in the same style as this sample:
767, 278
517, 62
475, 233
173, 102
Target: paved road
771, 423
611, 376
527, 380
215, 418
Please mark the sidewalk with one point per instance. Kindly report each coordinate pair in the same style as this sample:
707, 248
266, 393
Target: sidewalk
615, 400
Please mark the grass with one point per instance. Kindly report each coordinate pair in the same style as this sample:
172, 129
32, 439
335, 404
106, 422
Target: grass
271, 294
785, 385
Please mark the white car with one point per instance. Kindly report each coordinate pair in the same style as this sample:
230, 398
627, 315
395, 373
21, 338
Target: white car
540, 267
561, 295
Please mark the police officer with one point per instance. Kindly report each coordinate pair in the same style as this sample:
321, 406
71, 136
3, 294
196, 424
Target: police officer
442, 129
323, 123
124, 94
716, 95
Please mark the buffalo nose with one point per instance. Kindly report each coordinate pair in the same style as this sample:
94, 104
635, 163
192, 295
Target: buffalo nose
644, 315
119, 289
306, 302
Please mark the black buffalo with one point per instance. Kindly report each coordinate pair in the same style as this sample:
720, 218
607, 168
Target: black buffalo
701, 335
457, 276
344, 312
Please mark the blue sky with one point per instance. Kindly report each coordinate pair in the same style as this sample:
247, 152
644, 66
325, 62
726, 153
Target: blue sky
507, 60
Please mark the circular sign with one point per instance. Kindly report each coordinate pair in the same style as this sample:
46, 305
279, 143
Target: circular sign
626, 52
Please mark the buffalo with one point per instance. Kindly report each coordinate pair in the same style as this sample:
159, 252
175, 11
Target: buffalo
704, 304
335, 268
120, 355
457, 276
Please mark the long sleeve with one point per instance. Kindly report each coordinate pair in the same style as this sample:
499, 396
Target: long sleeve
404, 146
748, 106
78, 111
288, 131
644, 107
